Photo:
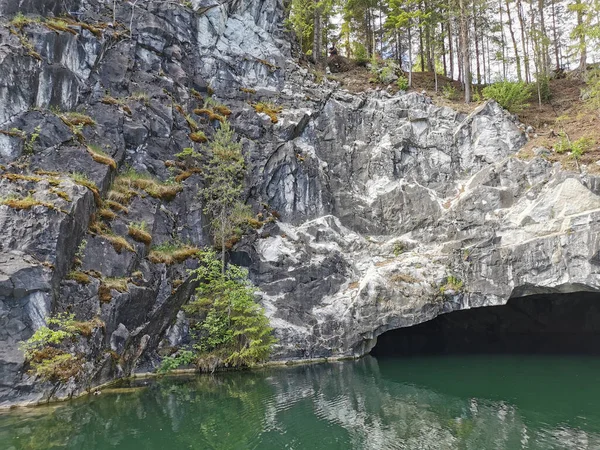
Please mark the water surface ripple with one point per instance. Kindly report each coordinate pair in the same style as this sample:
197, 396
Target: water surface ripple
450, 402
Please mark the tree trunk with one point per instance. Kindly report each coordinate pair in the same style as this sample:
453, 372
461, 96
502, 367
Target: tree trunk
398, 49
434, 72
373, 34
464, 50
514, 41
443, 50
537, 56
410, 62
476, 38
421, 49
489, 59
481, 39
368, 32
326, 46
523, 41
459, 55
545, 57
502, 42
450, 52
582, 44
428, 44
555, 36
380, 28
429, 49
317, 34
348, 45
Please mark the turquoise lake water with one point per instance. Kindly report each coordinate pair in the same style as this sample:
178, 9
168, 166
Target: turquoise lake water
439, 402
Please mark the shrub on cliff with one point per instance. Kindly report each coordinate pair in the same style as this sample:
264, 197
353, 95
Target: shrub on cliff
511, 95
49, 352
229, 328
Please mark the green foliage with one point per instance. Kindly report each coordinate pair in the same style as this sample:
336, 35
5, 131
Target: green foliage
130, 180
229, 327
591, 93
181, 358
452, 284
300, 21
587, 28
398, 249
19, 20
58, 328
33, 137
374, 66
419, 63
74, 118
82, 179
139, 232
81, 249
383, 72
541, 89
563, 145
449, 92
273, 110
577, 147
580, 146
360, 54
173, 252
511, 95
191, 123
141, 97
198, 136
141, 226
386, 74
59, 367
188, 153
224, 177
46, 350
402, 83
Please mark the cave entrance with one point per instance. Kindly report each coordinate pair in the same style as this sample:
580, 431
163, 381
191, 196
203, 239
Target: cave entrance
538, 324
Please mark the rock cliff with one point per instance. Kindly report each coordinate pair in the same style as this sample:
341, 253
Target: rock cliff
390, 210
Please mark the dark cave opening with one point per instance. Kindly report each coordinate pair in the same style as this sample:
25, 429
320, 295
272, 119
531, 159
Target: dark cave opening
537, 324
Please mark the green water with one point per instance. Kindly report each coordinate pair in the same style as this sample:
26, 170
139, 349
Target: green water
454, 402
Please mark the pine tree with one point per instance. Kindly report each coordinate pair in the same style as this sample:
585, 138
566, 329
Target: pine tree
224, 184
230, 327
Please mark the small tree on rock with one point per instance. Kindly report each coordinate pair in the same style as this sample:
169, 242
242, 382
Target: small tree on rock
228, 326
224, 178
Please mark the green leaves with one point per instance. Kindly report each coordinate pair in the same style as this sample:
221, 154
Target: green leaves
229, 327
512, 96
181, 358
65, 329
47, 350
577, 147
224, 178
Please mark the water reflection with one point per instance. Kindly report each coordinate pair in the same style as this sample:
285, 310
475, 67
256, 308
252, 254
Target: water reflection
436, 403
